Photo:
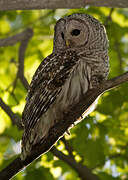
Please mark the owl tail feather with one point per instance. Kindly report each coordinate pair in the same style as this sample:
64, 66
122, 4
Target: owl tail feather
37, 133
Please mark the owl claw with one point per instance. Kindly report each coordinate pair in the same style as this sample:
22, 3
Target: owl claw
68, 132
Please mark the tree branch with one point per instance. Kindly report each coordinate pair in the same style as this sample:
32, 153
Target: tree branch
55, 4
67, 146
112, 83
16, 38
83, 171
15, 119
57, 131
22, 50
24, 38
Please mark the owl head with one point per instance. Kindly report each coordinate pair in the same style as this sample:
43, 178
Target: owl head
79, 31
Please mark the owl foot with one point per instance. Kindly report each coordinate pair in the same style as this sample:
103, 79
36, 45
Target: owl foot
68, 132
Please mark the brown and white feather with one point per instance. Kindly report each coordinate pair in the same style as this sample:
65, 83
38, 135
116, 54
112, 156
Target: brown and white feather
64, 76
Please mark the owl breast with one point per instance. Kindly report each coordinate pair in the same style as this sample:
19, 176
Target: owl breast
77, 84
83, 77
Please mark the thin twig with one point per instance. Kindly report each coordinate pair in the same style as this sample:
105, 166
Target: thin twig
22, 50
24, 38
109, 17
15, 118
14, 39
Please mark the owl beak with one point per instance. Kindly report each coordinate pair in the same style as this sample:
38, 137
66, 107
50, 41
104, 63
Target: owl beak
67, 43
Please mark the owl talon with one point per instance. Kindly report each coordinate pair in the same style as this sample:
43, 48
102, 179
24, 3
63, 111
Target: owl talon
68, 132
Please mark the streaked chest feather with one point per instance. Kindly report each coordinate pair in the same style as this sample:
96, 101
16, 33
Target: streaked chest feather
77, 84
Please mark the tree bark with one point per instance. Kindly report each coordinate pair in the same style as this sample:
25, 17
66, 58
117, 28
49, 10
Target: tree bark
55, 4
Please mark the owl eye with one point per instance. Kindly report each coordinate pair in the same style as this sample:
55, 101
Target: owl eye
75, 32
62, 35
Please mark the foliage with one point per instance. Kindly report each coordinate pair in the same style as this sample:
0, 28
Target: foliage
100, 141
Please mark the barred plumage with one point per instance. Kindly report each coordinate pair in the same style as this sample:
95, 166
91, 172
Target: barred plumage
78, 63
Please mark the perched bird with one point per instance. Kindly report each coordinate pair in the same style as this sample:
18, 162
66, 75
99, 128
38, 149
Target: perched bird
79, 62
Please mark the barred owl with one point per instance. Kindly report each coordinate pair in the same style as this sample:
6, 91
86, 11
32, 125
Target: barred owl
79, 62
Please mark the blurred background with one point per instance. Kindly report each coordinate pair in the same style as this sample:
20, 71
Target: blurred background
100, 142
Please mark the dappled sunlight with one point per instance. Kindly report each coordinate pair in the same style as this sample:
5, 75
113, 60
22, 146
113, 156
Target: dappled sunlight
100, 141
5, 121
56, 172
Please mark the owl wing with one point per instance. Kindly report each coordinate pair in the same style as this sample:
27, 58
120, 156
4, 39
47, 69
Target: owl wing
46, 85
